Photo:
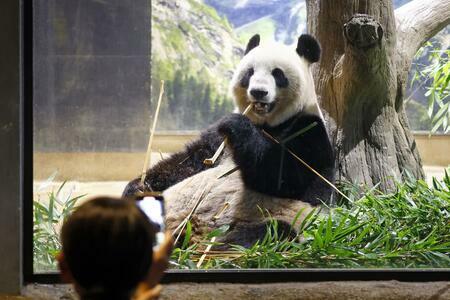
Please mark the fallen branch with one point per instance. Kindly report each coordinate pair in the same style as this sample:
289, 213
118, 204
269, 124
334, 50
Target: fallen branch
418, 21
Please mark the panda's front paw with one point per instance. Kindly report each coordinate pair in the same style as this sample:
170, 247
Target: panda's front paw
133, 189
236, 128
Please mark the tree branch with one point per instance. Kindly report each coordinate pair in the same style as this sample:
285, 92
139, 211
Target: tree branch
418, 21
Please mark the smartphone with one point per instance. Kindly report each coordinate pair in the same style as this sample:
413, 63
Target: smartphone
153, 208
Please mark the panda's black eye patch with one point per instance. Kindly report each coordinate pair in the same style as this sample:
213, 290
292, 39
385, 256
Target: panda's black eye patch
280, 78
245, 80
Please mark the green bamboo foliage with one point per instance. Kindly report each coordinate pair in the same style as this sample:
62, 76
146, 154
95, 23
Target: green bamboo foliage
435, 77
409, 228
48, 216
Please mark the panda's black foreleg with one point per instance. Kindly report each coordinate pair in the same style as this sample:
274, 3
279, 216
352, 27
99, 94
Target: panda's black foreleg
133, 188
250, 149
178, 166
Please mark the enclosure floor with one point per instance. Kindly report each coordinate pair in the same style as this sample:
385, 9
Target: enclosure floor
434, 171
386, 290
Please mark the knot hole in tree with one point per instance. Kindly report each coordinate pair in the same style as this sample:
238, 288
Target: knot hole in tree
363, 31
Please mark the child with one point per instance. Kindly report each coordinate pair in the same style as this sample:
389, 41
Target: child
107, 251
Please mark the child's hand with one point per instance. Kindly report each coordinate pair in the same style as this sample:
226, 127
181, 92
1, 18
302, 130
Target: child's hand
160, 262
151, 294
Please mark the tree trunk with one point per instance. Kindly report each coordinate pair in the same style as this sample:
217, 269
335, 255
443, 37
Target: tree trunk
361, 82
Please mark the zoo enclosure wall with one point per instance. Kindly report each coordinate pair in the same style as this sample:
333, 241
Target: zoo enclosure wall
123, 166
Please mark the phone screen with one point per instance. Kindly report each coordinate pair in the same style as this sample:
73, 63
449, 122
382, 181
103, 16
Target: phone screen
153, 208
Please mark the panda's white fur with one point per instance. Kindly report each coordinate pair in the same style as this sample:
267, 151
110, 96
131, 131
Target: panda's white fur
231, 199
301, 83
226, 201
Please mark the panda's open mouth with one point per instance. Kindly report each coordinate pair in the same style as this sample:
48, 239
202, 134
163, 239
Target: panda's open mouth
262, 108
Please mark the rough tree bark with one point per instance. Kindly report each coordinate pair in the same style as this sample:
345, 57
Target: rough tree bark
367, 52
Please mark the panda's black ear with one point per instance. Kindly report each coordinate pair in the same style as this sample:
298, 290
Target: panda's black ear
308, 47
252, 43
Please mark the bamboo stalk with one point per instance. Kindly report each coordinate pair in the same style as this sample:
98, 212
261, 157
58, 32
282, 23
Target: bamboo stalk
160, 154
300, 132
213, 239
212, 160
220, 252
208, 248
306, 165
221, 211
148, 155
198, 201
229, 172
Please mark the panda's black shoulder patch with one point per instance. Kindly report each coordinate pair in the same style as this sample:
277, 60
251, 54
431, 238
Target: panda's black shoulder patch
309, 48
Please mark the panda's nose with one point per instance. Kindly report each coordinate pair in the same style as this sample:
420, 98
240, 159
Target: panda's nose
258, 94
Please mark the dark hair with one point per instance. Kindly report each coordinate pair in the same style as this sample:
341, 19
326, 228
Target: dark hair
107, 244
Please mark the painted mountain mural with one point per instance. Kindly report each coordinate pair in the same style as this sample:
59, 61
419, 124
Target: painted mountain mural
197, 43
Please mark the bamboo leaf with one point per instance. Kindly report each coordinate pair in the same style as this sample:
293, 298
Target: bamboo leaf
187, 235
218, 231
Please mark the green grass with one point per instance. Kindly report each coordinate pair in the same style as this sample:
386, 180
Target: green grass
48, 216
409, 228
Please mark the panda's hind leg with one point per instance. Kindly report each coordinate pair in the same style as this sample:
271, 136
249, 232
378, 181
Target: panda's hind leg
247, 234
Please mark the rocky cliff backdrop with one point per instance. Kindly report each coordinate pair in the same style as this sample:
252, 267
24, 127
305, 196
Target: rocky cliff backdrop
94, 80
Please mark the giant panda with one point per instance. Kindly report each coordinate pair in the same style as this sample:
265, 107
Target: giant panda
277, 81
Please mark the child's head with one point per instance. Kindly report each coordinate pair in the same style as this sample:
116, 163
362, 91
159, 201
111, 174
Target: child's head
107, 247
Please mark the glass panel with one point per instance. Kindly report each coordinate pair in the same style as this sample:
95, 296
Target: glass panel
195, 48
91, 106
95, 95
426, 90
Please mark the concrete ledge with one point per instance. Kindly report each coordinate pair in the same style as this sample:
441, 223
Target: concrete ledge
356, 290
105, 166
122, 166
90, 166
434, 149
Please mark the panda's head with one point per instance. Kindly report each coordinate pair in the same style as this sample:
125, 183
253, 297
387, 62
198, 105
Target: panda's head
277, 80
